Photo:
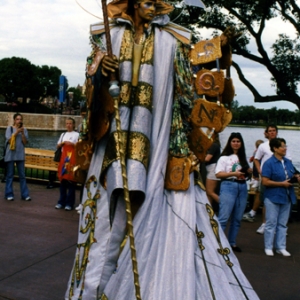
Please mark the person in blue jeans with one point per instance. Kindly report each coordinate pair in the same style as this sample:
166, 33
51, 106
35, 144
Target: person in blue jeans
16, 156
232, 168
279, 194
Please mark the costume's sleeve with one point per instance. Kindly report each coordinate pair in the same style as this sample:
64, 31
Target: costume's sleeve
183, 102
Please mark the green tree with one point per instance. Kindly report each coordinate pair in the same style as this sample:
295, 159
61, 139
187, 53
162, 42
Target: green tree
20, 78
251, 18
49, 79
77, 96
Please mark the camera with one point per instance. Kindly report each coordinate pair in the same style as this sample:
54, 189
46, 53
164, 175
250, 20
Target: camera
20, 124
293, 180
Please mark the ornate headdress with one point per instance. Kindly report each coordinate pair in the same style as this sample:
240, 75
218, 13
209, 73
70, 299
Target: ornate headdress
119, 8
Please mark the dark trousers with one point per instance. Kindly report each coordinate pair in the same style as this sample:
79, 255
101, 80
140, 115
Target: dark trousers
67, 193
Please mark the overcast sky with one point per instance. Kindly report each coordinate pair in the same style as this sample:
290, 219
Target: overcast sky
56, 33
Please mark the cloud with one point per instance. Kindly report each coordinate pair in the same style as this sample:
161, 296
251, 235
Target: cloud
56, 33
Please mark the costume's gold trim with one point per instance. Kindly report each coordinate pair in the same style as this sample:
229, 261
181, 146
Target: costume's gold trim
126, 50
215, 227
137, 148
148, 50
103, 297
200, 235
125, 93
223, 251
143, 95
89, 212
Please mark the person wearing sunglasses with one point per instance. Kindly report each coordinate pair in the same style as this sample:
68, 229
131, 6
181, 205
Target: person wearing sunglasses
233, 169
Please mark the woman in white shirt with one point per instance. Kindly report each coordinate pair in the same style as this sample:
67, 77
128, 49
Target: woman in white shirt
232, 168
67, 142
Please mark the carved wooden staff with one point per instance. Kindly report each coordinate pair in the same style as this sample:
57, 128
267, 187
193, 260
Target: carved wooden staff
114, 91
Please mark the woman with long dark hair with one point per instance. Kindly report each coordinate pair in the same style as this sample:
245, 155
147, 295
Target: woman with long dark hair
232, 168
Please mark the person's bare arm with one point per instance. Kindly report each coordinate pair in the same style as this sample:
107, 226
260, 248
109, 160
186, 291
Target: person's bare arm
270, 183
224, 175
257, 165
208, 157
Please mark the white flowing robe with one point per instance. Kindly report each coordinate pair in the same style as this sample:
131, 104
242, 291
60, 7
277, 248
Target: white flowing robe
170, 263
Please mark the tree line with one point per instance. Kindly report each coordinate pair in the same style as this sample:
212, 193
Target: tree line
252, 115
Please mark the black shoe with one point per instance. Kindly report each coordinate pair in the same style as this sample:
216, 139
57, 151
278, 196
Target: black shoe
236, 249
50, 187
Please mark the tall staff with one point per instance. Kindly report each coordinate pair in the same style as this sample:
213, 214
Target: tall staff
114, 91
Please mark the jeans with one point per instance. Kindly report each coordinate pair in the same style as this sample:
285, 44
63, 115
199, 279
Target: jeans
67, 193
233, 200
10, 177
277, 216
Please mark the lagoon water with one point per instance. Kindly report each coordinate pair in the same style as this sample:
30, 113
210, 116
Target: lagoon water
251, 135
48, 140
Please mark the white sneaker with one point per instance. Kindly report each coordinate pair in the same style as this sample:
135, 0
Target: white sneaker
283, 252
269, 252
261, 229
254, 183
79, 208
248, 217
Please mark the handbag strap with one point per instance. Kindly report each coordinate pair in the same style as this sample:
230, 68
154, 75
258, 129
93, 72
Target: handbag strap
62, 137
6, 142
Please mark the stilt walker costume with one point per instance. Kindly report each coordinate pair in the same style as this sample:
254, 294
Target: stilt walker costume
181, 251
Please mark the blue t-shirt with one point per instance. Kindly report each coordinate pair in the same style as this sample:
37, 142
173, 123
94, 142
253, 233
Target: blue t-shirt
274, 170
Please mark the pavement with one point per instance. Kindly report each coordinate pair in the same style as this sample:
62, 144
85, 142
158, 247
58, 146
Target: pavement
37, 247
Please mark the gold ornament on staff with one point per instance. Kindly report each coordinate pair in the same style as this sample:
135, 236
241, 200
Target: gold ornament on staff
114, 91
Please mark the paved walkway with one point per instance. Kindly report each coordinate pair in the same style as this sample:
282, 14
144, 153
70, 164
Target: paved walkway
37, 247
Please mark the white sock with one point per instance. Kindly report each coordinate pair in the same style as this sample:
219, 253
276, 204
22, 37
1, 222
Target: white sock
252, 213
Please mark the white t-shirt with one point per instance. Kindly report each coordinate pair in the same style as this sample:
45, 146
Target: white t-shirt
69, 137
264, 152
228, 164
